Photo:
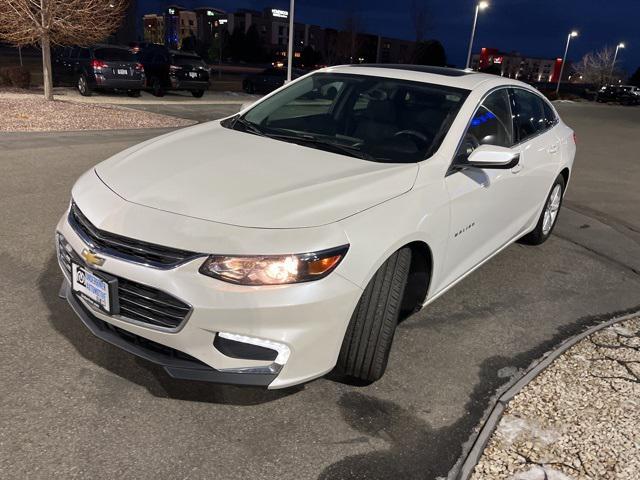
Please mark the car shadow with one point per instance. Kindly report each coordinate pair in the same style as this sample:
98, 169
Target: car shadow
134, 369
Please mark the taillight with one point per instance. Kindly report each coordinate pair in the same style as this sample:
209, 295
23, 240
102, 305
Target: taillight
139, 67
575, 141
175, 68
98, 64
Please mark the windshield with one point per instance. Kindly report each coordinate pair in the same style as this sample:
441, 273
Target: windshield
187, 60
114, 54
373, 118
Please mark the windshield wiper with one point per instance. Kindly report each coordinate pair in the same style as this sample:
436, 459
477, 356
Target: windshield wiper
248, 126
323, 144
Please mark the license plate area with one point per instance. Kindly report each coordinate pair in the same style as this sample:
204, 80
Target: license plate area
193, 74
122, 71
98, 289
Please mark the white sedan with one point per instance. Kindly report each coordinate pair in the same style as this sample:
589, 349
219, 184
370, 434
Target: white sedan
289, 240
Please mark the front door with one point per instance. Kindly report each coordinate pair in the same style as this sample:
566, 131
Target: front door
485, 203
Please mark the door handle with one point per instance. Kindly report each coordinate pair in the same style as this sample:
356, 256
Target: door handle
517, 168
553, 148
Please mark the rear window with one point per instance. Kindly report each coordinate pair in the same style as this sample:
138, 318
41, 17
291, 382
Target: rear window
114, 54
187, 60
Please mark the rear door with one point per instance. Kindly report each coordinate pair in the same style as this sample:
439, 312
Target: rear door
539, 143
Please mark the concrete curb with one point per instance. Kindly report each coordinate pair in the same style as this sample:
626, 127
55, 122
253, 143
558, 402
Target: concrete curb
489, 426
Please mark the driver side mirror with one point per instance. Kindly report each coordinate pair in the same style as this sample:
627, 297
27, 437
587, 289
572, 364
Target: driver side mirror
492, 156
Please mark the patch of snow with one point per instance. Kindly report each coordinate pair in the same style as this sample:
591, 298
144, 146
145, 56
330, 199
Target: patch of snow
540, 473
510, 428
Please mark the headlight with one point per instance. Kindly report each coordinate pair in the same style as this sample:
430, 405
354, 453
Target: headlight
273, 269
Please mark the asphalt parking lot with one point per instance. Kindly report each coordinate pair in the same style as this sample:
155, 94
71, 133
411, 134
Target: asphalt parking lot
75, 407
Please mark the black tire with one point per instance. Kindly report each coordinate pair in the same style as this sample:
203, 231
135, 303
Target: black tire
133, 93
537, 236
250, 88
83, 85
367, 342
157, 90
197, 93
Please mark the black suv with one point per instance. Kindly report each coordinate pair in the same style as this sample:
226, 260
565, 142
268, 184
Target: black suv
99, 67
173, 70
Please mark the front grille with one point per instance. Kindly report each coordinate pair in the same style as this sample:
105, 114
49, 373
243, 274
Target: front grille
137, 302
130, 249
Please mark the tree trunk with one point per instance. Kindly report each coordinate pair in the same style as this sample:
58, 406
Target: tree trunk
46, 67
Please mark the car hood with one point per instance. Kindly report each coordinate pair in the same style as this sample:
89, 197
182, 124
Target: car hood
226, 176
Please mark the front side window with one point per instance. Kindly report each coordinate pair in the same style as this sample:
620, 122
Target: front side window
373, 118
492, 124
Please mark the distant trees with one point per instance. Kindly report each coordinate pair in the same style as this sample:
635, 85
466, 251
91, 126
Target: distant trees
596, 67
247, 46
430, 52
420, 18
62, 22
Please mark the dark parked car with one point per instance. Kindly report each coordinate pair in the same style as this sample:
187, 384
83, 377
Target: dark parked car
268, 80
173, 70
99, 67
624, 94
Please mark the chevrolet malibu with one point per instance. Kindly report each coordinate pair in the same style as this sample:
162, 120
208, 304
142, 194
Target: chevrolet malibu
289, 240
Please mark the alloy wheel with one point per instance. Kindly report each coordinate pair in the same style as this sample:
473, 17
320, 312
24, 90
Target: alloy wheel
551, 209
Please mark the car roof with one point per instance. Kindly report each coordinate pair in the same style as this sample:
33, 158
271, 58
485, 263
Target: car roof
466, 79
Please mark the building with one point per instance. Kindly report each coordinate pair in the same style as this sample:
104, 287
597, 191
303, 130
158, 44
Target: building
516, 65
153, 28
204, 24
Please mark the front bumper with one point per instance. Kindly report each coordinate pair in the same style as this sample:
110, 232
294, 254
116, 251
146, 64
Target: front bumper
309, 318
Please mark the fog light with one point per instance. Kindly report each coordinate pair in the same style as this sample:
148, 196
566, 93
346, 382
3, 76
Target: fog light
281, 348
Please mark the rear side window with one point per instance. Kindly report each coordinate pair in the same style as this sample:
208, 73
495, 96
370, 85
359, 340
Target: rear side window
114, 54
84, 54
549, 115
530, 118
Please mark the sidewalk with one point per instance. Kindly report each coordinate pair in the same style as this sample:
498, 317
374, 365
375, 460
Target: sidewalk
579, 419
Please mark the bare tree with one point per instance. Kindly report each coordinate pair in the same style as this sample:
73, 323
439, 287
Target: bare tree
352, 24
595, 67
61, 22
420, 18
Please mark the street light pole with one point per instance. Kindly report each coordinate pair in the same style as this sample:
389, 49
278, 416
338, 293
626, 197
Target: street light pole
564, 59
615, 56
479, 6
291, 35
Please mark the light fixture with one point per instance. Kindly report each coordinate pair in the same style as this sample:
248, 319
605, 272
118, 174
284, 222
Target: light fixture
574, 33
483, 5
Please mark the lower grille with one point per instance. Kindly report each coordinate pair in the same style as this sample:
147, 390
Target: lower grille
137, 302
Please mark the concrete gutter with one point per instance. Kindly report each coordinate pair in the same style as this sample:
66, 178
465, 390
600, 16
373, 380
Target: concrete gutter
495, 414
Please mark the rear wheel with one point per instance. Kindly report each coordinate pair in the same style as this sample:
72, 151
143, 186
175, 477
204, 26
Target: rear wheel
83, 85
367, 343
197, 93
549, 215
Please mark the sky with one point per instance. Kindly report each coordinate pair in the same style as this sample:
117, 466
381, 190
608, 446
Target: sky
531, 27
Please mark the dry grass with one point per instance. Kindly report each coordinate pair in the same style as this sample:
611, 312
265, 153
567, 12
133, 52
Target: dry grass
29, 113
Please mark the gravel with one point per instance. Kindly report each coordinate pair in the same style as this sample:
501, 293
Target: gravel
579, 419
31, 113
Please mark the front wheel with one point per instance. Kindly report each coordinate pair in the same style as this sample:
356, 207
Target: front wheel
549, 215
197, 93
365, 349
83, 86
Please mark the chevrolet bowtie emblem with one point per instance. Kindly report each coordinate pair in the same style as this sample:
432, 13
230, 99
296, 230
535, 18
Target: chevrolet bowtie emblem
92, 258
